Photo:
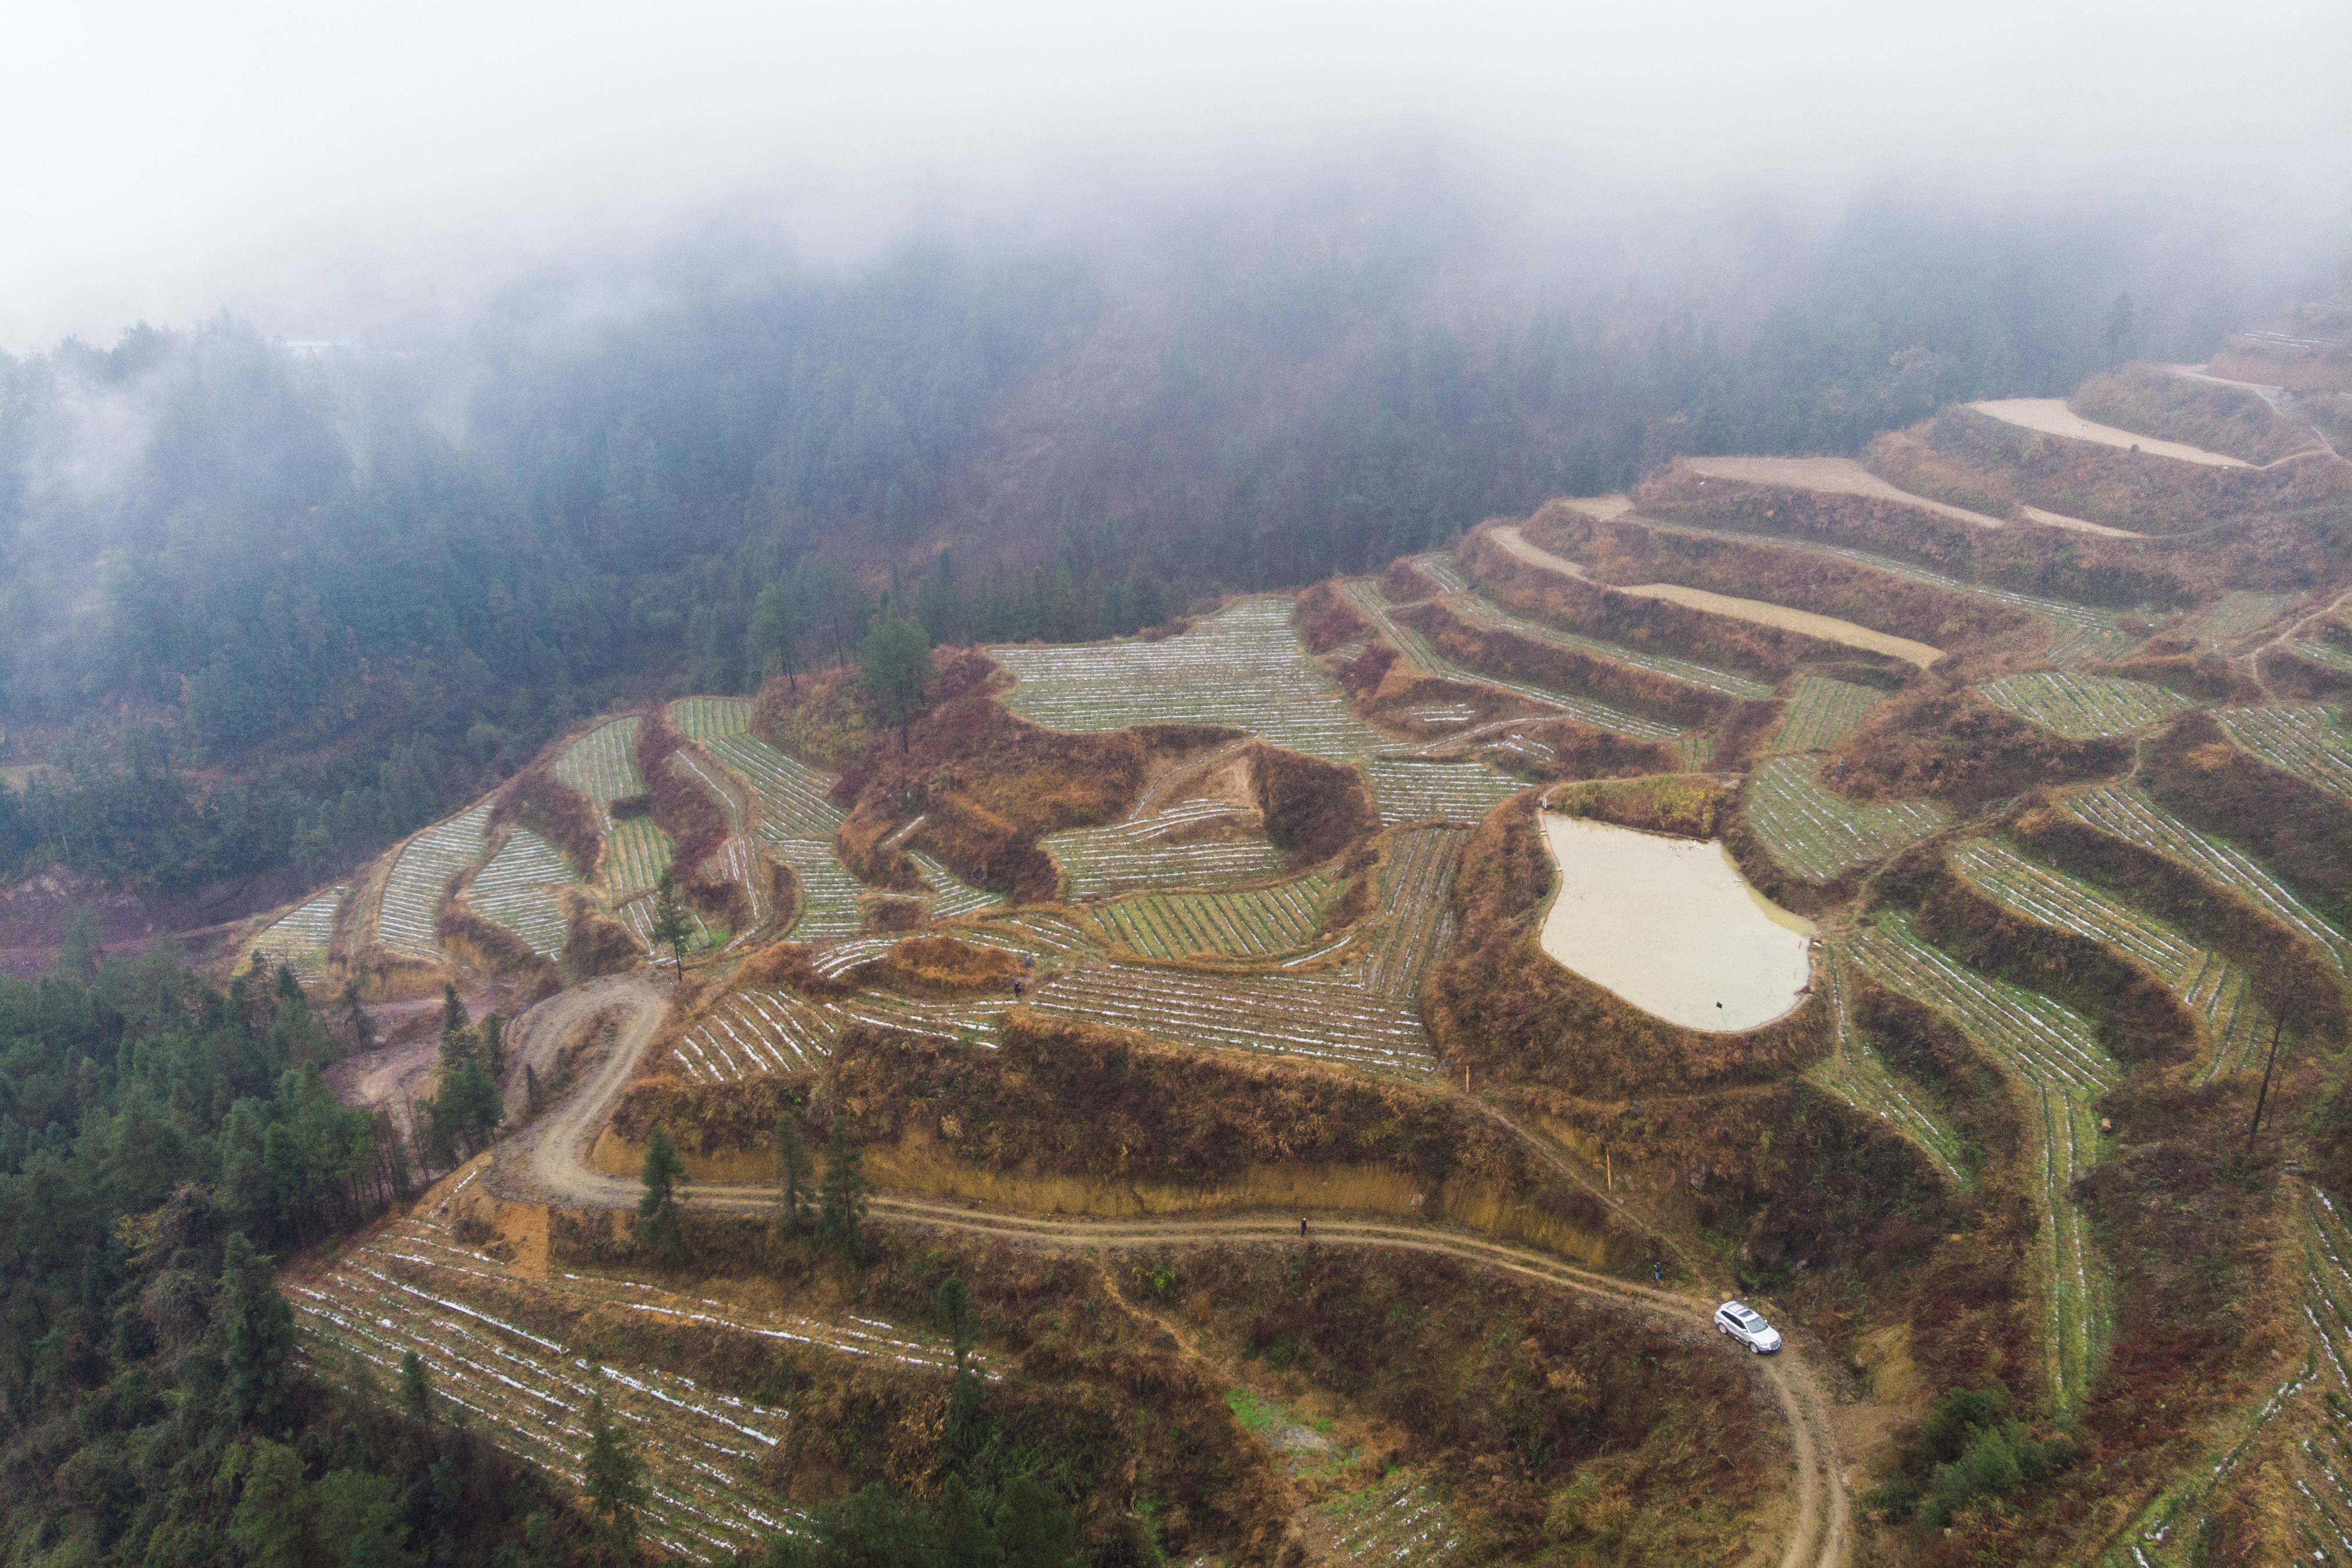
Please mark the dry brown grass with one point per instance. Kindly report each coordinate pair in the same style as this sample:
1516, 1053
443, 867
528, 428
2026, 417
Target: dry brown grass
1688, 805
1592, 610
987, 783
2228, 420
1957, 747
2139, 491
536, 799
1494, 652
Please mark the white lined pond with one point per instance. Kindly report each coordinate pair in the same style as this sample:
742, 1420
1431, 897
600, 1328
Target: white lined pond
1670, 924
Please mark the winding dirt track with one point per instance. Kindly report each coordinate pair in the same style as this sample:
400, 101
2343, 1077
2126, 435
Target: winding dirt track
547, 1161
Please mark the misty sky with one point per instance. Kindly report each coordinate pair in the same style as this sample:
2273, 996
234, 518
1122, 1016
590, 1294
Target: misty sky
299, 161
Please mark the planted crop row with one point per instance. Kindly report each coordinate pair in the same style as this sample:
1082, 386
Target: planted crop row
636, 853
756, 1031
2304, 740
1242, 924
2054, 1049
753, 1032
1242, 666
603, 764
734, 857
1445, 713
2240, 611
838, 960
1480, 611
1821, 712
2300, 1433
301, 937
1039, 933
1818, 834
1858, 1075
1366, 597
2214, 988
1417, 892
518, 890
2133, 816
2327, 655
946, 895
412, 1287
1417, 792
2085, 633
530, 1392
705, 719
2082, 707
1327, 1020
1397, 1522
829, 907
1139, 853
793, 796
1441, 570
412, 893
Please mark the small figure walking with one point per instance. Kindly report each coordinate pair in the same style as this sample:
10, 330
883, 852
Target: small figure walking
1302, 1231
1657, 1273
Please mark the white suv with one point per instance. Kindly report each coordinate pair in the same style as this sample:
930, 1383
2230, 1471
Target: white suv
1734, 1319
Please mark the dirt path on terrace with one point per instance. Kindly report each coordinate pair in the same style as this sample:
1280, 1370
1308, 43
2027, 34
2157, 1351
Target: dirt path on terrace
2051, 416
548, 1162
1828, 628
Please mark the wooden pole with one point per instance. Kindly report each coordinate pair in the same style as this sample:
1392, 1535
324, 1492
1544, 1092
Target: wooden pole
2261, 1099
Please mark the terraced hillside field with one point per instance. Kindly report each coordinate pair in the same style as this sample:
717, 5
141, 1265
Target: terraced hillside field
2213, 987
2084, 706
520, 890
2085, 632
1480, 611
412, 891
1856, 1074
1367, 598
1364, 1013
301, 937
1153, 850
1242, 666
2055, 1054
2286, 1461
2305, 739
2135, 817
1821, 712
602, 764
491, 1348
1247, 922
1818, 834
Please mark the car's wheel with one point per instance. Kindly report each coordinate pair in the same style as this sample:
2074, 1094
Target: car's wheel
1756, 1349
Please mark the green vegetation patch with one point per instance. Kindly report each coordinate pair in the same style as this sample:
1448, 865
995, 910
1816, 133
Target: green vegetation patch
2304, 740
1253, 923
603, 764
1818, 834
1821, 712
2083, 706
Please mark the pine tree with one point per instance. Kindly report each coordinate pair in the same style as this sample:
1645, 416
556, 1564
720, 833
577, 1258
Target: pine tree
615, 1474
1035, 1528
260, 1327
453, 1011
417, 1387
964, 1401
671, 927
841, 1206
657, 1207
894, 662
795, 1166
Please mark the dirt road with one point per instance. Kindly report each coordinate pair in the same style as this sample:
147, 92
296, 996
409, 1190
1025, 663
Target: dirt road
547, 1162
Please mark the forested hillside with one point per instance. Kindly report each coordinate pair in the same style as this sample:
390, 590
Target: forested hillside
258, 609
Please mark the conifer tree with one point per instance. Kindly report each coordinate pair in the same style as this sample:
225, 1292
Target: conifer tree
841, 1205
615, 1473
671, 927
657, 1207
259, 1354
794, 1168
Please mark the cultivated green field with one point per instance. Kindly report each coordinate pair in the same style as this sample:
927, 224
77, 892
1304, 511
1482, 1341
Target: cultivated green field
1821, 712
1818, 834
2054, 1051
2081, 706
